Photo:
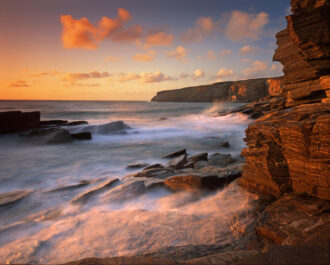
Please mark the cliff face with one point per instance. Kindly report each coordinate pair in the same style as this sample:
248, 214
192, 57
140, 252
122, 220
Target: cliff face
289, 149
235, 91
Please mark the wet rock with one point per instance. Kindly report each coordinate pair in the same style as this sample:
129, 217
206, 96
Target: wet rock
194, 182
163, 118
17, 121
76, 123
220, 160
200, 164
189, 165
224, 144
155, 172
84, 197
53, 123
154, 166
128, 190
82, 183
13, 197
135, 166
82, 136
178, 162
198, 157
58, 136
176, 153
116, 127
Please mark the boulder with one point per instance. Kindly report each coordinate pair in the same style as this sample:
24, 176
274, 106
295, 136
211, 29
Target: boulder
135, 166
82, 136
116, 127
198, 157
154, 166
176, 153
190, 164
17, 121
58, 136
220, 160
178, 162
84, 197
194, 182
13, 196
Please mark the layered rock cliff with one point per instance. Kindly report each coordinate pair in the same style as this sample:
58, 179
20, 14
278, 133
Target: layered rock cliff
289, 148
232, 91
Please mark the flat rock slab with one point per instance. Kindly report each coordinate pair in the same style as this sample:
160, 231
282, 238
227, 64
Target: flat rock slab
194, 182
82, 183
198, 157
84, 197
13, 196
138, 165
176, 153
178, 162
154, 166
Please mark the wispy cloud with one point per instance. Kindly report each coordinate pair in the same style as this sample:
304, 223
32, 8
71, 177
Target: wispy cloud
204, 27
145, 77
158, 39
198, 73
73, 77
19, 83
144, 57
112, 59
256, 67
225, 52
178, 54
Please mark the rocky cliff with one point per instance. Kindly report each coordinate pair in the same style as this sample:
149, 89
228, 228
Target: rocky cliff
289, 148
233, 91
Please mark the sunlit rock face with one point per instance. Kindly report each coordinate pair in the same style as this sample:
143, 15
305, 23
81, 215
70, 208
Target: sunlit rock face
289, 149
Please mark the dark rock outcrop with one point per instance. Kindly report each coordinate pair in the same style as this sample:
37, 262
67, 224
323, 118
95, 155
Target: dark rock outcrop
82, 136
17, 121
233, 91
289, 147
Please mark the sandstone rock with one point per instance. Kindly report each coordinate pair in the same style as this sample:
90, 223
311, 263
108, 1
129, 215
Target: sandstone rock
53, 123
198, 157
13, 196
138, 165
154, 166
155, 172
84, 197
238, 91
71, 187
178, 162
193, 183
82, 136
128, 190
176, 153
17, 121
219, 160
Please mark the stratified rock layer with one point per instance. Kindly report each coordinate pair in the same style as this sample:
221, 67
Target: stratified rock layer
289, 148
233, 91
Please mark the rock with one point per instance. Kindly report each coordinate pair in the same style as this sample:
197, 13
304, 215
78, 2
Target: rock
178, 162
53, 123
230, 172
13, 196
220, 160
134, 166
232, 91
76, 123
82, 183
224, 144
154, 166
84, 197
193, 183
189, 165
125, 191
82, 136
176, 153
163, 118
58, 136
198, 157
155, 172
200, 164
116, 127
17, 121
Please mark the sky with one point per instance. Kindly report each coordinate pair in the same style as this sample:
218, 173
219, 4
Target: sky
131, 49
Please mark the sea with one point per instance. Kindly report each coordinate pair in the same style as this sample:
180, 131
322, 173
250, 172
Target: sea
45, 227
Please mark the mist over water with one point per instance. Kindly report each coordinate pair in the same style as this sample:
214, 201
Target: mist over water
45, 227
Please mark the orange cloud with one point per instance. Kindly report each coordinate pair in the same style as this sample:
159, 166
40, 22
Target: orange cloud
247, 49
225, 52
210, 55
112, 59
203, 27
198, 73
257, 67
80, 33
159, 39
243, 25
72, 77
19, 83
145, 77
224, 72
178, 54
40, 74
144, 57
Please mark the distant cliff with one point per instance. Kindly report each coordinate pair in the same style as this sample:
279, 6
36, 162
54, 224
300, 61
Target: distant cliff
232, 91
